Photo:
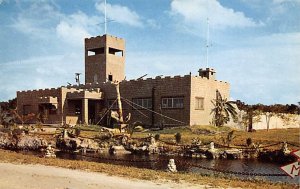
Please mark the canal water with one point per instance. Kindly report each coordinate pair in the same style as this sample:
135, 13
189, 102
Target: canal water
159, 162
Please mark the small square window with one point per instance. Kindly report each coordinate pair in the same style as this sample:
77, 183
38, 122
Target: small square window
199, 103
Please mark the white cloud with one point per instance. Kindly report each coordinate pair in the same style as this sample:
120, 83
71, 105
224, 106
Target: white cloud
75, 27
37, 20
120, 14
285, 1
195, 13
38, 73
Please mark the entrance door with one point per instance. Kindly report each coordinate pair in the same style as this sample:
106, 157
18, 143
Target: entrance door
92, 112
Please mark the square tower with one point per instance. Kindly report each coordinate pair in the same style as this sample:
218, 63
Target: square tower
209, 73
104, 59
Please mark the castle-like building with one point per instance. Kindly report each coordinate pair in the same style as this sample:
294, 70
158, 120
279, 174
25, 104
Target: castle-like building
182, 100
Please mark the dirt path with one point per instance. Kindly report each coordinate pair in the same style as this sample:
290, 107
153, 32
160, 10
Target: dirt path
39, 176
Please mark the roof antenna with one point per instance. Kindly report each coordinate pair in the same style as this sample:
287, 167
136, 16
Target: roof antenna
105, 18
207, 42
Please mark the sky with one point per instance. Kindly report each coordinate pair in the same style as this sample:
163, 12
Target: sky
253, 44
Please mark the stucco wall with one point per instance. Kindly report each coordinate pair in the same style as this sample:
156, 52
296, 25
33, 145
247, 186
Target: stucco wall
205, 88
277, 122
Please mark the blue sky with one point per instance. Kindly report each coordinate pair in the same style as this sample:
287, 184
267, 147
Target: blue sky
254, 44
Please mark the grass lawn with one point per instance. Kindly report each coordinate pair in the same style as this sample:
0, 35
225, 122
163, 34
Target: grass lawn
263, 137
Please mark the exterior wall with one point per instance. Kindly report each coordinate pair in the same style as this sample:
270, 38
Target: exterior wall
205, 88
189, 87
156, 89
32, 98
277, 122
69, 114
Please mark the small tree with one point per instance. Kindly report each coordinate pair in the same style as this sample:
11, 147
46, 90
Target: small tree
222, 110
178, 137
24, 118
229, 138
157, 136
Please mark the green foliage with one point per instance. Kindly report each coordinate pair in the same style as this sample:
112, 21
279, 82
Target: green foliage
77, 131
229, 138
136, 126
157, 136
178, 137
249, 141
222, 110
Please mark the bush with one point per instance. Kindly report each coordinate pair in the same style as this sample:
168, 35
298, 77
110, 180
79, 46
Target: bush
249, 141
178, 137
157, 136
77, 131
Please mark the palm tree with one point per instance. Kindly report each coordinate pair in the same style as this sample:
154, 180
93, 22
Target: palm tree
222, 110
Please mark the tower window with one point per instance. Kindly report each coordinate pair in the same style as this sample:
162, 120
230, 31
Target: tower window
92, 52
116, 52
110, 78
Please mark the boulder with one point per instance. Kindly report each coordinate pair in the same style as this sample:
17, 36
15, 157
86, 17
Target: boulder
6, 141
26, 142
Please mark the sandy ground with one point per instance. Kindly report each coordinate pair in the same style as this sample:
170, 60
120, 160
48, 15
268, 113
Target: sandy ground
39, 176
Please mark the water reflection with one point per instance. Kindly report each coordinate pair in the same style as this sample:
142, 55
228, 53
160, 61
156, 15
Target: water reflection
159, 162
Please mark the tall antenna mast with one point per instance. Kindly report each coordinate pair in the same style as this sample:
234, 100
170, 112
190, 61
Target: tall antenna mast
105, 19
207, 42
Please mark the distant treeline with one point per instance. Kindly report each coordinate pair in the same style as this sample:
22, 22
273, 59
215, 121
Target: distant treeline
9, 105
276, 108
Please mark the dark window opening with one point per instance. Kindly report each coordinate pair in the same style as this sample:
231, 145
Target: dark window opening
96, 51
91, 53
116, 52
52, 109
110, 78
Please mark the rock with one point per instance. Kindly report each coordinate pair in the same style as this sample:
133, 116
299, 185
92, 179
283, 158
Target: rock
212, 153
89, 144
6, 141
233, 154
171, 166
50, 152
26, 142
212, 146
68, 144
118, 150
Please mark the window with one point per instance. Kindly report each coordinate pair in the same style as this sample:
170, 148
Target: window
52, 109
116, 52
96, 51
110, 78
91, 53
140, 103
176, 102
199, 103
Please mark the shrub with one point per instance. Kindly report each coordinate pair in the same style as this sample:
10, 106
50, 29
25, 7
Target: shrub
249, 141
157, 136
178, 137
77, 131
